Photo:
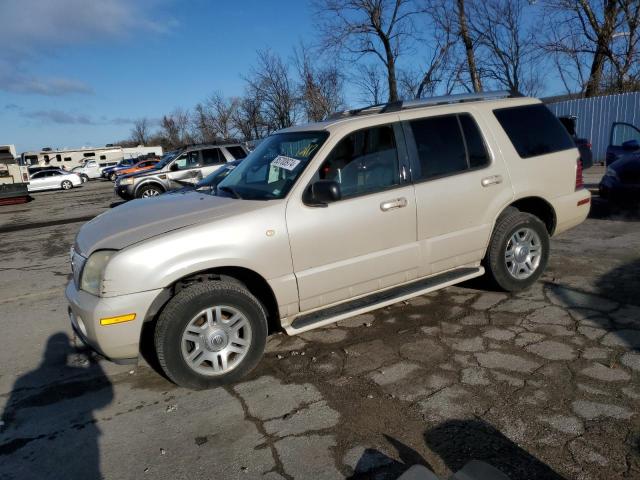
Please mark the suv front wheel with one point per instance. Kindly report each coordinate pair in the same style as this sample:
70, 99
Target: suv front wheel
519, 250
211, 333
147, 191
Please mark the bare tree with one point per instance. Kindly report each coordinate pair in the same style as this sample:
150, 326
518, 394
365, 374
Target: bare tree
586, 32
369, 81
140, 131
451, 20
270, 82
507, 45
247, 118
320, 89
368, 27
222, 110
203, 124
174, 128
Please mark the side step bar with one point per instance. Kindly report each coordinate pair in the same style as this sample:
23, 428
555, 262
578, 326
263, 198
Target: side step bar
377, 300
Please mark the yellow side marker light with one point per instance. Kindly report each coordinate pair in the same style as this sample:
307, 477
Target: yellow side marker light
119, 319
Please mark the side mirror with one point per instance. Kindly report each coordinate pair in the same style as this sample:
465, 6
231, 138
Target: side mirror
631, 145
174, 167
323, 192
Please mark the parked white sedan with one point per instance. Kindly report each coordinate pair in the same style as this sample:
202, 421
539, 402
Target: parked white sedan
53, 179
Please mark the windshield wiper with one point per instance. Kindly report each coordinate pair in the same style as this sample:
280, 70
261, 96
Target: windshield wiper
235, 194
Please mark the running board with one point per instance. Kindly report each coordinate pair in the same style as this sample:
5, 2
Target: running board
382, 299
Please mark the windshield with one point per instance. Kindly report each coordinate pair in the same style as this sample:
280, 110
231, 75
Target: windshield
166, 158
273, 167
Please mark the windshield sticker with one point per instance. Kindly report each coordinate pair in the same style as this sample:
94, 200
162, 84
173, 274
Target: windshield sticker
307, 151
287, 163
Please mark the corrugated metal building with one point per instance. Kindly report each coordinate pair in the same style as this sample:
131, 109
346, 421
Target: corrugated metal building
596, 115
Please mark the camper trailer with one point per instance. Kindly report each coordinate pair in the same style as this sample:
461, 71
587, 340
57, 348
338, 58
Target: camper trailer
69, 159
14, 177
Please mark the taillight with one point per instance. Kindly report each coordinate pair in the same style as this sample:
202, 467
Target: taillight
579, 179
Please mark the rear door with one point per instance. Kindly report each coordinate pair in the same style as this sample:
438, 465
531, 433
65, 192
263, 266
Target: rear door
621, 141
212, 160
460, 186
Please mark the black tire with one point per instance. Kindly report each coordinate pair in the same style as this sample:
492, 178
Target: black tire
113, 177
510, 222
151, 190
84, 178
66, 185
186, 305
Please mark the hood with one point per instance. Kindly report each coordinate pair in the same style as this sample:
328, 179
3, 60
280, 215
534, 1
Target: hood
141, 219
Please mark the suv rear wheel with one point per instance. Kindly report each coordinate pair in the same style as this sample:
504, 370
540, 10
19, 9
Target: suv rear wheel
66, 185
210, 334
147, 191
519, 250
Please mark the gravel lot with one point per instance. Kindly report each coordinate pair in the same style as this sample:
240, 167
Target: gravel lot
542, 385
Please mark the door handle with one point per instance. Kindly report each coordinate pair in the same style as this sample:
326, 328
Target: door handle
395, 203
492, 180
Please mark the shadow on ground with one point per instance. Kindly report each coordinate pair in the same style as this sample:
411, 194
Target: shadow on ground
457, 442
48, 428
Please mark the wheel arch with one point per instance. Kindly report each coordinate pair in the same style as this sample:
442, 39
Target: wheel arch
537, 206
147, 183
254, 282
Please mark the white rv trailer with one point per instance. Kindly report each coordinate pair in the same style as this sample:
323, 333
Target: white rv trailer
70, 158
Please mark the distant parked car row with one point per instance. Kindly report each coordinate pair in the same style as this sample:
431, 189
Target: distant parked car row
181, 168
52, 179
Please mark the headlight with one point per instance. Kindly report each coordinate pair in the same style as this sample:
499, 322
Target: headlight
93, 271
612, 173
125, 181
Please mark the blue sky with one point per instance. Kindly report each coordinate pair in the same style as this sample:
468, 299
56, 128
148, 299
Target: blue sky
78, 72
86, 87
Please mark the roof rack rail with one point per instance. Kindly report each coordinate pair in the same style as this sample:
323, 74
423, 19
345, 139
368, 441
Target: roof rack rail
424, 102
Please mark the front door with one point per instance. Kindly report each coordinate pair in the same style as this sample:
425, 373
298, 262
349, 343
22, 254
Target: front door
184, 170
367, 240
459, 189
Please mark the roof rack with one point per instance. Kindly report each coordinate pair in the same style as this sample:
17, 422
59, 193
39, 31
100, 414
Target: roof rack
424, 102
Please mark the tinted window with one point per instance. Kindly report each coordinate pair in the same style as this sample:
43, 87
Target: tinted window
440, 146
363, 162
237, 152
533, 130
212, 156
103, 157
476, 149
187, 160
90, 154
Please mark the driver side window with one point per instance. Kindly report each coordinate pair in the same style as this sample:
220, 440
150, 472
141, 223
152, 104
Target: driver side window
188, 160
363, 162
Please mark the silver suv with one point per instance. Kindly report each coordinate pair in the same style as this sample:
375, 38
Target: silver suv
326, 221
177, 169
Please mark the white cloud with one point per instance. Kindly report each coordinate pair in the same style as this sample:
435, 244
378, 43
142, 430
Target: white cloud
34, 28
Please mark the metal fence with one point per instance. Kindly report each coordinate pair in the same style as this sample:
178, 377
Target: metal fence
596, 115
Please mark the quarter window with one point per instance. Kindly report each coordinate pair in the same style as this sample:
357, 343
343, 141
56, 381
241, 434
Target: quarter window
365, 161
447, 145
533, 130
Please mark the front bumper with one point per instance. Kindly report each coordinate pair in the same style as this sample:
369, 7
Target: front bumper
124, 191
118, 342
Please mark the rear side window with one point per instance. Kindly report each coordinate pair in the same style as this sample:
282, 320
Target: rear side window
533, 130
237, 152
447, 145
212, 156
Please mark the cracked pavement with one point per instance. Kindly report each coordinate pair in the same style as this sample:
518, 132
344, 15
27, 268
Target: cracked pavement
541, 384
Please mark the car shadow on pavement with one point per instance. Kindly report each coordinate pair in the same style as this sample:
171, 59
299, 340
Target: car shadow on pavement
48, 428
457, 442
620, 285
